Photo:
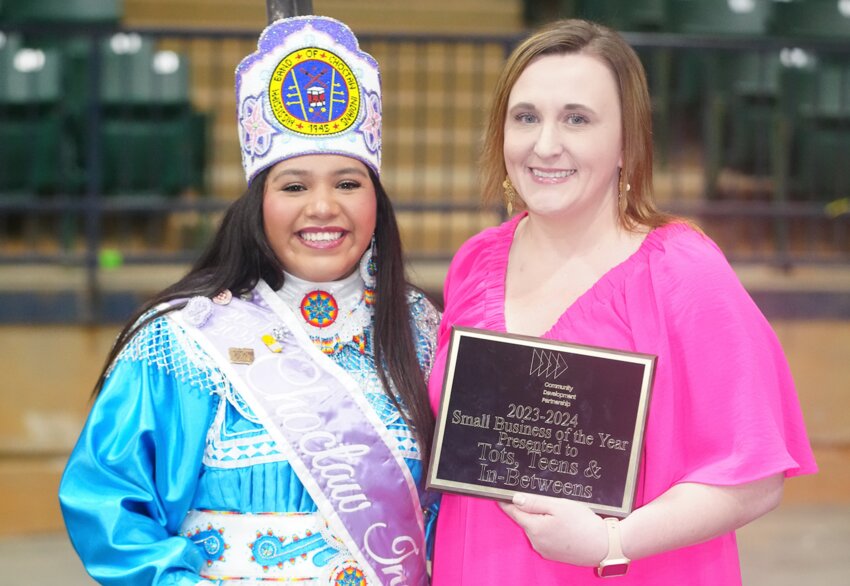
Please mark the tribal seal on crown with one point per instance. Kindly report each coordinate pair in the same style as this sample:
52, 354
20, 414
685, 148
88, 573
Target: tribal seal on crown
308, 89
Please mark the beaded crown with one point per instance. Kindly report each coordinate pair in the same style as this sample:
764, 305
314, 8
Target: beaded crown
308, 89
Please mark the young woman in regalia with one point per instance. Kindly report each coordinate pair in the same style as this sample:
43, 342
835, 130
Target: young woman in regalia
266, 417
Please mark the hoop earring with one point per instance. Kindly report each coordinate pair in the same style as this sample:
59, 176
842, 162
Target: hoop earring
369, 265
510, 194
623, 188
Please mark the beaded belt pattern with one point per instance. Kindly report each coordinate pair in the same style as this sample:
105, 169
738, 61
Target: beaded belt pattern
273, 547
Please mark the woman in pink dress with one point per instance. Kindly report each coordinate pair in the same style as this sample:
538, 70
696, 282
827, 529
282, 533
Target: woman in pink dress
592, 261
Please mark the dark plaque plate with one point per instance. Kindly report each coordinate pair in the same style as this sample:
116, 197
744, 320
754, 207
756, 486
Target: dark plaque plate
523, 414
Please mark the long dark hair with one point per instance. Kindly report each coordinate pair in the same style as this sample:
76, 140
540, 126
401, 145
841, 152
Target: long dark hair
240, 255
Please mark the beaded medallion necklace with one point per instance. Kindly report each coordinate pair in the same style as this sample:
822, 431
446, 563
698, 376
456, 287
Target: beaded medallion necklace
333, 314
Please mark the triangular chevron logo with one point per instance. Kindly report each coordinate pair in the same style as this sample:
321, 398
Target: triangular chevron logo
548, 364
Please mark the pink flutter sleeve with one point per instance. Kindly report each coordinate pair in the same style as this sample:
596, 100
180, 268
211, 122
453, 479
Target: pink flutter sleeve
726, 411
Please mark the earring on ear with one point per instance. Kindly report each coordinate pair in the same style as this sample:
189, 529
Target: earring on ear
510, 194
623, 187
369, 271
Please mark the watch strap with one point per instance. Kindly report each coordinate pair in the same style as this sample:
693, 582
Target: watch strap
615, 546
615, 562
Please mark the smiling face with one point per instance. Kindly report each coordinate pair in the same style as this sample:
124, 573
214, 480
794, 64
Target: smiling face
563, 135
319, 215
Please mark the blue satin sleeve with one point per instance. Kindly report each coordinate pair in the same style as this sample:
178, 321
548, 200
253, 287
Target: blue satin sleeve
132, 475
426, 322
430, 504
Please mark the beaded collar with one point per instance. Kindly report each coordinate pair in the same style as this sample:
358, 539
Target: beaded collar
333, 314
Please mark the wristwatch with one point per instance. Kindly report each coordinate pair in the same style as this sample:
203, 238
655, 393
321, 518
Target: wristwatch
615, 563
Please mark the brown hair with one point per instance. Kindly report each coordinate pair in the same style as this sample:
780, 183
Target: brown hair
581, 36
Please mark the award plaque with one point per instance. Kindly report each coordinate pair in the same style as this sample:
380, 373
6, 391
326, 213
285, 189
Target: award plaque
524, 414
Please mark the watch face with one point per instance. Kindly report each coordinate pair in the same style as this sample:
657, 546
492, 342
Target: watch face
610, 570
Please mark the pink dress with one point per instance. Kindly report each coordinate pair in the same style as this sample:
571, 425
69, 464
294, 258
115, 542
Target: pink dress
723, 409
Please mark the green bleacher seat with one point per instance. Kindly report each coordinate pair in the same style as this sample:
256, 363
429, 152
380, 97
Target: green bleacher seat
734, 91
746, 93
134, 74
75, 49
715, 18
537, 12
719, 17
72, 11
31, 153
818, 19
33, 147
634, 15
816, 99
631, 16
750, 130
816, 94
153, 142
822, 92
819, 170
30, 75
819, 87
153, 156
151, 139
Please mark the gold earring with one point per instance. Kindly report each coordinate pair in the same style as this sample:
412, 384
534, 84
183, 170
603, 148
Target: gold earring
510, 194
623, 187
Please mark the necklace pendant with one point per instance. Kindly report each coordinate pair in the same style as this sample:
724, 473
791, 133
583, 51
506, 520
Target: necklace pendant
336, 315
319, 308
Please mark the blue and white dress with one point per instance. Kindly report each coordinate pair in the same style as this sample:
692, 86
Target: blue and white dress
175, 481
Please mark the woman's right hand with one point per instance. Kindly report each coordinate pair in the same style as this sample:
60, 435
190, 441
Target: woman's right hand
560, 530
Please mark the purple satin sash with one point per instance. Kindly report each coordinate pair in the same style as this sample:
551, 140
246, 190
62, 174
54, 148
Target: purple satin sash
328, 431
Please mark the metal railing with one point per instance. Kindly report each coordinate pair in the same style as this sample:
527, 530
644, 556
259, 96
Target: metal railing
738, 148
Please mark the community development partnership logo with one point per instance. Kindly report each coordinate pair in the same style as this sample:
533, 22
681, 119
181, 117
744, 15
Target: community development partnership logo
548, 364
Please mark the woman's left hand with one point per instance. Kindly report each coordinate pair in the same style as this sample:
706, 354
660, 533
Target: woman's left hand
560, 530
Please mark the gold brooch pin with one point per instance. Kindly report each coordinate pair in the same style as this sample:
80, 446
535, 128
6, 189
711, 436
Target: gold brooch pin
241, 355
